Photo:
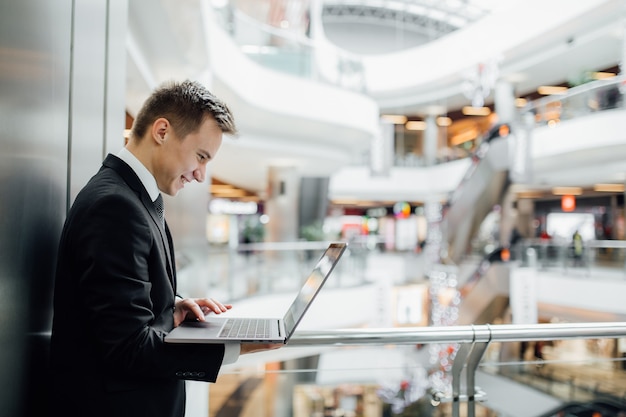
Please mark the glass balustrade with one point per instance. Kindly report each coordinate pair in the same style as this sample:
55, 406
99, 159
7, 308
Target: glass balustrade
387, 370
583, 100
288, 47
259, 269
604, 257
507, 370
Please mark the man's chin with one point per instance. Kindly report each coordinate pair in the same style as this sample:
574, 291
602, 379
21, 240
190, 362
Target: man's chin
172, 191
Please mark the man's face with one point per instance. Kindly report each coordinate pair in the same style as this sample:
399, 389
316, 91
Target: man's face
182, 160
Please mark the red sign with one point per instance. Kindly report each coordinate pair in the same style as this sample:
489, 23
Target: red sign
568, 203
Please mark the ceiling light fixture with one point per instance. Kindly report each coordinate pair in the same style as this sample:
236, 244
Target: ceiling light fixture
530, 194
548, 90
345, 202
444, 121
567, 191
609, 188
476, 111
521, 102
602, 75
415, 125
396, 119
464, 137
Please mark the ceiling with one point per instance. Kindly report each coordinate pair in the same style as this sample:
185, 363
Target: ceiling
587, 42
397, 25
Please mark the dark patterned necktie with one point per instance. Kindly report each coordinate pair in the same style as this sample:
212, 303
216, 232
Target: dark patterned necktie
158, 204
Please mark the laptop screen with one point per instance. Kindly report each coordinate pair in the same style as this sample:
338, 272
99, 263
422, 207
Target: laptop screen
312, 285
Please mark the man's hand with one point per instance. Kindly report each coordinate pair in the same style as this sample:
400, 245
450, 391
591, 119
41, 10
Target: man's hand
189, 308
258, 347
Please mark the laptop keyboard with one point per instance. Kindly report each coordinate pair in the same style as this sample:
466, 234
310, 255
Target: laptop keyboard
245, 328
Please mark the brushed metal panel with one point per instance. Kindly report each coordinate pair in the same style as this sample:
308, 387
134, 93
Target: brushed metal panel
34, 102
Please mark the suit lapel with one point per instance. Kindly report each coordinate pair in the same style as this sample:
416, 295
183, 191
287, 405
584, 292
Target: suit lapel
129, 176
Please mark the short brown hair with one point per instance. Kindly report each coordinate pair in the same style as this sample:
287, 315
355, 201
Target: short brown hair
185, 105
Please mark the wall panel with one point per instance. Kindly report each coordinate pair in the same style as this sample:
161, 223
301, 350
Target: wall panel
34, 85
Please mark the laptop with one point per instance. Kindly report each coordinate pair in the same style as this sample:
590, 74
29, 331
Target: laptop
218, 329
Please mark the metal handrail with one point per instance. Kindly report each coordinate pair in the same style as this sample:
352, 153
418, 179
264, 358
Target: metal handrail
461, 334
473, 341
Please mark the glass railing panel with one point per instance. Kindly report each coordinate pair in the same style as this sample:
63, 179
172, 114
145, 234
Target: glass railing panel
251, 270
278, 269
600, 256
365, 378
572, 371
578, 101
290, 49
338, 381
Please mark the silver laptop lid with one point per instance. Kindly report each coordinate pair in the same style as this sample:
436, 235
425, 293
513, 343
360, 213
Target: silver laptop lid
312, 285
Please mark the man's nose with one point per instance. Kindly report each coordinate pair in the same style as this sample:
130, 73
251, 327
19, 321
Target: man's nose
200, 173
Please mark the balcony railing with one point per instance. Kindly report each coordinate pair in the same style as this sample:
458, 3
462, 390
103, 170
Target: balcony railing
555, 254
578, 101
271, 268
291, 50
577, 362
352, 372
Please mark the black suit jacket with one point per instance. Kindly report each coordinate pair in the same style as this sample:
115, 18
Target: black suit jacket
113, 304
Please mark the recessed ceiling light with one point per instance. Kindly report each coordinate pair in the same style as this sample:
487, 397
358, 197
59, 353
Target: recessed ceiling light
396, 119
602, 75
415, 125
444, 121
547, 90
530, 194
520, 102
567, 191
464, 136
476, 111
609, 188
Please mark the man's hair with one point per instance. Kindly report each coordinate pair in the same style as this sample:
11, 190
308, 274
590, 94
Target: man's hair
185, 105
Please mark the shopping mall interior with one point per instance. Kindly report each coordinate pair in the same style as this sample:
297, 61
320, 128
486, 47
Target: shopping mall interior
469, 152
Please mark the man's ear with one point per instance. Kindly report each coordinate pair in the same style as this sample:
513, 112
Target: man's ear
159, 128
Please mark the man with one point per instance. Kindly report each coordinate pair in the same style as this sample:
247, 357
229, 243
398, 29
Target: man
115, 294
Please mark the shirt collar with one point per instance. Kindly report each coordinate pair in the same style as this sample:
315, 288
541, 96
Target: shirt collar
146, 178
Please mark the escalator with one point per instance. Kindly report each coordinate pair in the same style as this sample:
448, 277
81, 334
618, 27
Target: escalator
484, 186
482, 280
485, 294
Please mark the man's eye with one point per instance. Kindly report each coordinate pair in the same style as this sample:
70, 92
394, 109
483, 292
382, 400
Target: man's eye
202, 157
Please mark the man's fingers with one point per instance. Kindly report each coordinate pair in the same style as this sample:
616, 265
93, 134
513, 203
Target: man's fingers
197, 311
214, 305
200, 307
